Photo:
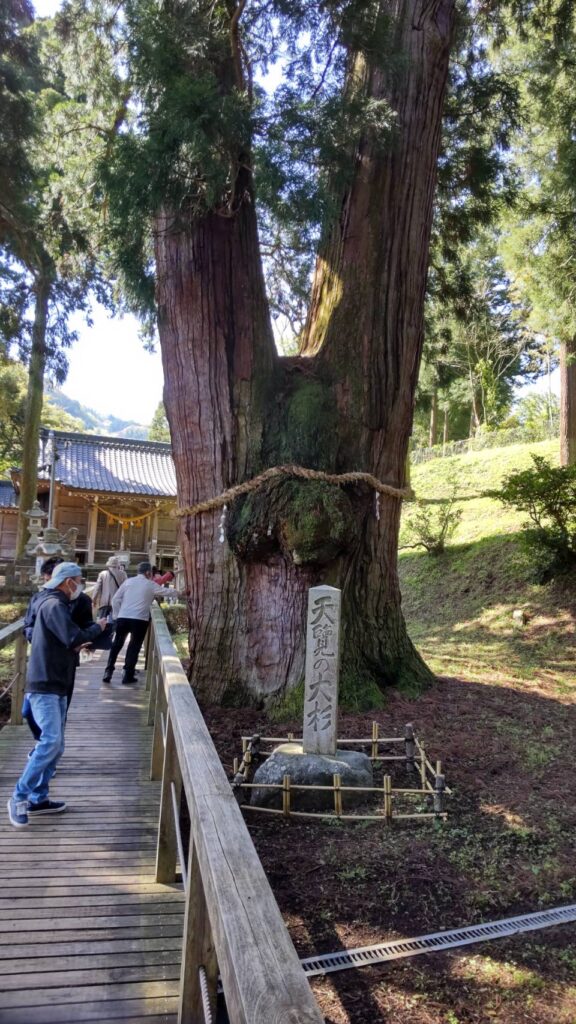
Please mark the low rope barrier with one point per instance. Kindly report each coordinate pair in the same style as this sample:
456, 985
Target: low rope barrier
339, 479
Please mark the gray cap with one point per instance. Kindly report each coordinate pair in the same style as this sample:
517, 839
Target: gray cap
144, 567
62, 572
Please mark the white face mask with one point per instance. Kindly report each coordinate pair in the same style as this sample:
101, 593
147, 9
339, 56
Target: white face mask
78, 588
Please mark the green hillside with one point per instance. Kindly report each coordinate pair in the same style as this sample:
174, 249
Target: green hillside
459, 606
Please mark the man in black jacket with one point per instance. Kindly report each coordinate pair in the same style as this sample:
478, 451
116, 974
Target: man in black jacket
49, 679
81, 613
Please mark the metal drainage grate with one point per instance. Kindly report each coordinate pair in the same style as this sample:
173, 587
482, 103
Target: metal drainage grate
367, 955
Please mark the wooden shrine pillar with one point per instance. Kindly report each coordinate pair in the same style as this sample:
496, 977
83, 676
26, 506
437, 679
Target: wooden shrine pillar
153, 541
92, 527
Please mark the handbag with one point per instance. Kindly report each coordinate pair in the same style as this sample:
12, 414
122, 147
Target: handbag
106, 638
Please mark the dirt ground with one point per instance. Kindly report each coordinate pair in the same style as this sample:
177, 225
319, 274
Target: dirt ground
508, 848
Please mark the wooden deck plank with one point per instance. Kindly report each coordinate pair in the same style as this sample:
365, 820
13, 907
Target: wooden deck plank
16, 972
30, 996
83, 922
90, 947
35, 913
137, 1010
54, 979
86, 934
169, 897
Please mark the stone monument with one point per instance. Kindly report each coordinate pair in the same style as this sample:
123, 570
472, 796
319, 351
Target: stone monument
320, 730
316, 760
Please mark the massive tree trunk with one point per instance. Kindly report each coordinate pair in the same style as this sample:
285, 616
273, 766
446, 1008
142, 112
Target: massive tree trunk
344, 404
33, 412
568, 403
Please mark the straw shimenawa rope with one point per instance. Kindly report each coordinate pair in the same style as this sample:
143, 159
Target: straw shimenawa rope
339, 479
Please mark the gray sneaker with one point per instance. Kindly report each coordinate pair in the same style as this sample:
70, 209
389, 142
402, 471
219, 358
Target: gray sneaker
18, 812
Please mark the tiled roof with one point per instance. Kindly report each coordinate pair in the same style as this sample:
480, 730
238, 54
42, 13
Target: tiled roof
8, 496
89, 462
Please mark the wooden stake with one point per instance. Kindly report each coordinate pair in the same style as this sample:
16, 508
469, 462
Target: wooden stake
375, 739
286, 796
388, 798
422, 765
337, 795
409, 746
439, 789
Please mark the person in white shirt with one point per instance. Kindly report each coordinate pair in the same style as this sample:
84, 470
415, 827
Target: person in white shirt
131, 606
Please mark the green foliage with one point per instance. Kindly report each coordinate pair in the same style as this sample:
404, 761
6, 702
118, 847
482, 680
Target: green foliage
548, 494
479, 342
18, 122
176, 616
431, 524
14, 389
537, 414
458, 608
159, 429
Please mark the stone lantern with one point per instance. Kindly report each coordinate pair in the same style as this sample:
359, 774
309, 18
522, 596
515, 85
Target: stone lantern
35, 517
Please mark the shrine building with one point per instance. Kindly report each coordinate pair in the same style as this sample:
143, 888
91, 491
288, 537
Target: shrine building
117, 492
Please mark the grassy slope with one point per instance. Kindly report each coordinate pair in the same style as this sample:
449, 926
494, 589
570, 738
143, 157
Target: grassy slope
459, 606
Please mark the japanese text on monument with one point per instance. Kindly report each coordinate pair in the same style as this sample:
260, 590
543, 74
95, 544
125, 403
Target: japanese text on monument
322, 666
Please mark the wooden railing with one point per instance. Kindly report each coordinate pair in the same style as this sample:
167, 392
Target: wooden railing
14, 634
232, 924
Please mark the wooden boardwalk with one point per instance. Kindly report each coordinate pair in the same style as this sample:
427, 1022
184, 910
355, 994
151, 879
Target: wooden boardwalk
86, 934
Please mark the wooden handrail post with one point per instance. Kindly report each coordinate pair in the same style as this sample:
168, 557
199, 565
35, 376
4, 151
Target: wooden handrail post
152, 685
158, 751
197, 949
149, 649
20, 659
167, 847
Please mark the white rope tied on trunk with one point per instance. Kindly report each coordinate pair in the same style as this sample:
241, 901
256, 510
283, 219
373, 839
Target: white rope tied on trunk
338, 479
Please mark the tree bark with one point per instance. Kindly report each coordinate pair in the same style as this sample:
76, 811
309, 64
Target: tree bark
345, 404
33, 413
568, 403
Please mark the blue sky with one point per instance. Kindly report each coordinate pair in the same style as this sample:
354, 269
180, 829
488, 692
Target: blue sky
110, 370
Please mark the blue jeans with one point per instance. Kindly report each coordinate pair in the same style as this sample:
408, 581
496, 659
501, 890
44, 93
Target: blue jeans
49, 712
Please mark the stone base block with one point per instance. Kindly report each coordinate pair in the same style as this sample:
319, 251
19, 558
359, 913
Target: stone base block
355, 769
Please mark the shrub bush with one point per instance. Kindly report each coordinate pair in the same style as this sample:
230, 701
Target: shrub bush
430, 526
548, 494
176, 616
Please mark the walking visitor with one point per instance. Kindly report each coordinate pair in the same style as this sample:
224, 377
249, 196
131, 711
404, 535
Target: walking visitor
107, 584
56, 640
131, 611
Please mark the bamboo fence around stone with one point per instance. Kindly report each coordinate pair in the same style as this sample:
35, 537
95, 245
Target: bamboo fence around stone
431, 786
